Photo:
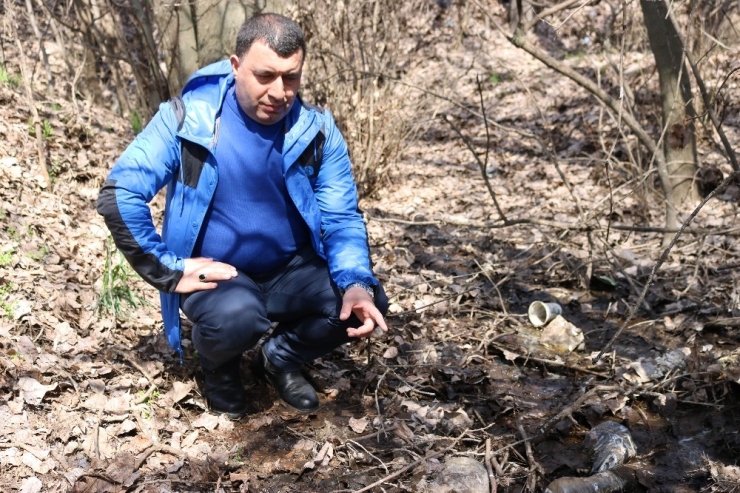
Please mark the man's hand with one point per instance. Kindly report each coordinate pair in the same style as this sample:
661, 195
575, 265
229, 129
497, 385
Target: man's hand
202, 273
356, 300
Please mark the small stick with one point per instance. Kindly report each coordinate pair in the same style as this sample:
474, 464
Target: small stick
491, 476
731, 177
371, 455
544, 429
413, 464
534, 466
377, 405
157, 447
497, 466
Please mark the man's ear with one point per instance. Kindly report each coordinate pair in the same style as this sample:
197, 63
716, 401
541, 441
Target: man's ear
234, 64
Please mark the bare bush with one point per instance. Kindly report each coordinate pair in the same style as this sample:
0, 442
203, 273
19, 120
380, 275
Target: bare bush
358, 55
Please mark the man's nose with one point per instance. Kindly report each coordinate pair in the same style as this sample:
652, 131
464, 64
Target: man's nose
277, 89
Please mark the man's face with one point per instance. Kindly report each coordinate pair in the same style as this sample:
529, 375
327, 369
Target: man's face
266, 84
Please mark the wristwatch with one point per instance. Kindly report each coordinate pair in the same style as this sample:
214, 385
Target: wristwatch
369, 290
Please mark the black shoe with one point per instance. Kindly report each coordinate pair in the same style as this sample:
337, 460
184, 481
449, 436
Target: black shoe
223, 389
292, 386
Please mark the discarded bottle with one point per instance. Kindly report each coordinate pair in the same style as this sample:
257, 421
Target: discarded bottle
603, 482
609, 445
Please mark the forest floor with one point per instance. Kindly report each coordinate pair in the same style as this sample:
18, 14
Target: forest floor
94, 402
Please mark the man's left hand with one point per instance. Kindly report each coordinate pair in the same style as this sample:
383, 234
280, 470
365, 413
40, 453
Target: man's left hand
358, 301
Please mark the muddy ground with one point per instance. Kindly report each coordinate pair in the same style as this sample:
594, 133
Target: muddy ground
91, 401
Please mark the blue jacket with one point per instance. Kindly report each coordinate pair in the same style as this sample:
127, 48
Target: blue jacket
159, 157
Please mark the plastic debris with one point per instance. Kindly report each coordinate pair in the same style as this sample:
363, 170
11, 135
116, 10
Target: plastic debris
610, 445
603, 482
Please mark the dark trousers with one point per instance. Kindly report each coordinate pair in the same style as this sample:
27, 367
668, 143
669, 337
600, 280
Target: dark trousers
300, 297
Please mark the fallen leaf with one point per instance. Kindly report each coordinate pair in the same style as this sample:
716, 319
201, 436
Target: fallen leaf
207, 421
509, 356
122, 469
239, 476
256, 424
179, 391
358, 425
224, 423
31, 485
39, 466
391, 352
190, 440
33, 391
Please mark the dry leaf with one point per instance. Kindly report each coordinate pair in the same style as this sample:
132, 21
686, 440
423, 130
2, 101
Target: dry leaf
39, 466
31, 485
207, 421
33, 391
179, 391
239, 476
358, 425
391, 352
509, 356
122, 469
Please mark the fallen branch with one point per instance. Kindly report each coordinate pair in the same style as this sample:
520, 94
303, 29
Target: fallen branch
569, 410
552, 362
397, 473
406, 468
558, 225
730, 178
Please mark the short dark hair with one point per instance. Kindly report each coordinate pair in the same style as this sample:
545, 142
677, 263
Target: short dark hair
282, 35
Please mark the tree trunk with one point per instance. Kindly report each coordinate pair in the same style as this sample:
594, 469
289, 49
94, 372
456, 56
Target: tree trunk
521, 13
679, 143
199, 33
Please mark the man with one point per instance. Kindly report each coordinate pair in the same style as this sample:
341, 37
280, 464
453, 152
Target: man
261, 223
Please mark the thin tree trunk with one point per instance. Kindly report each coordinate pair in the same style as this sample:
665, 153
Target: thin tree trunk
679, 142
42, 49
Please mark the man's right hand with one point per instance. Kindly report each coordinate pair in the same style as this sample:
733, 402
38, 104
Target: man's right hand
203, 273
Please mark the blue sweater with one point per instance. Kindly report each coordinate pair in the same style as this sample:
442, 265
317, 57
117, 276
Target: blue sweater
252, 222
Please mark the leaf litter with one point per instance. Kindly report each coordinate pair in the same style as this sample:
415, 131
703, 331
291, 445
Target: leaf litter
93, 402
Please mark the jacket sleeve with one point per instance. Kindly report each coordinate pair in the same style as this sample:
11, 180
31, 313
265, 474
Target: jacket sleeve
146, 166
343, 230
